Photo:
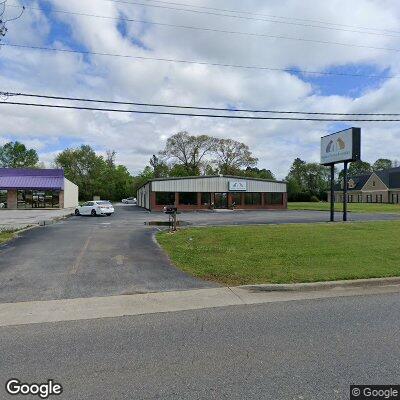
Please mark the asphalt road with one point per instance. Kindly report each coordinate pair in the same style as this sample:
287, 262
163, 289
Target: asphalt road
102, 256
312, 349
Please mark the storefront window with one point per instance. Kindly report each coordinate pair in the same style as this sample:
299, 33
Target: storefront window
38, 199
236, 198
252, 199
206, 199
3, 198
165, 198
274, 198
188, 199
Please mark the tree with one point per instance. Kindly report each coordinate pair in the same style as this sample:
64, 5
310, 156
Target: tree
306, 180
16, 155
160, 167
188, 150
142, 178
254, 172
83, 167
94, 175
232, 156
382, 164
357, 168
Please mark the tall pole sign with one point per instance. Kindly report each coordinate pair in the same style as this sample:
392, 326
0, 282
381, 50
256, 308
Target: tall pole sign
340, 147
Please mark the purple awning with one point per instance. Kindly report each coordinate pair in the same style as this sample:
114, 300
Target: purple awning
23, 178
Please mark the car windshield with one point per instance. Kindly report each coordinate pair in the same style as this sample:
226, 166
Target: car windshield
103, 202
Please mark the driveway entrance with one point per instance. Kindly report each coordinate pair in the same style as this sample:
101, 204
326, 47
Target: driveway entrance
87, 257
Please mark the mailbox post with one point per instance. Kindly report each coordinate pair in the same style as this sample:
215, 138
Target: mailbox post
172, 211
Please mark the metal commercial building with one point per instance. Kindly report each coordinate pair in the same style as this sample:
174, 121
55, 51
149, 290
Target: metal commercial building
209, 192
22, 188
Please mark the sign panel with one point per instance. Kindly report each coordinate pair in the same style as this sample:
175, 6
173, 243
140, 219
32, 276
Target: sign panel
341, 146
237, 186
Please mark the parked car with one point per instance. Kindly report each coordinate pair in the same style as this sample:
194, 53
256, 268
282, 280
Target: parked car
99, 207
129, 200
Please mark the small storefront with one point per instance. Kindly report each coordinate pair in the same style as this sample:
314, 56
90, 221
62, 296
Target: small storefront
22, 188
213, 192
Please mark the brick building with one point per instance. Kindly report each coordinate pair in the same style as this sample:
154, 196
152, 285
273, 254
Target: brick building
207, 192
375, 187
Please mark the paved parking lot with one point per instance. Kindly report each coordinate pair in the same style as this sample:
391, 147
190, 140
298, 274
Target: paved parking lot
102, 256
18, 219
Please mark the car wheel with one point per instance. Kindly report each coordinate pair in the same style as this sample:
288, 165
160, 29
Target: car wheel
108, 215
77, 212
93, 213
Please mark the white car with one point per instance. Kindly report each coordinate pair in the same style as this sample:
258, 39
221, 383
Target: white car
129, 200
93, 208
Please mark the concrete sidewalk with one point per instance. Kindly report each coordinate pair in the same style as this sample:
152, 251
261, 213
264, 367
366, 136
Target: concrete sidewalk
19, 219
36, 312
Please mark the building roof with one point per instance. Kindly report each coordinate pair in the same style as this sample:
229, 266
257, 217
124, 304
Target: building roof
31, 178
390, 177
173, 178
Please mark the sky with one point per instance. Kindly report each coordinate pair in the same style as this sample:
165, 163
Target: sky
360, 29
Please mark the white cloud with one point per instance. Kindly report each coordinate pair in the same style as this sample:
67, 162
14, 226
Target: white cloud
137, 137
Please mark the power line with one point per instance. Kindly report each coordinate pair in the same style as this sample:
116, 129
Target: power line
43, 96
251, 18
273, 16
179, 61
363, 28
243, 117
222, 31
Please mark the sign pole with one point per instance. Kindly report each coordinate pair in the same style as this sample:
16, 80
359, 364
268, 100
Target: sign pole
332, 193
345, 191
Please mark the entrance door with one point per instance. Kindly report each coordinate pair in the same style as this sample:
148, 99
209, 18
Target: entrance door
221, 200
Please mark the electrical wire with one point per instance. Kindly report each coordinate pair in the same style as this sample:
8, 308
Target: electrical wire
179, 61
243, 117
272, 16
90, 100
222, 31
251, 18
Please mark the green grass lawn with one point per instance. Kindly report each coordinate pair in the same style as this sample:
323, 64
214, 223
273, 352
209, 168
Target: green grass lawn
287, 253
6, 236
355, 207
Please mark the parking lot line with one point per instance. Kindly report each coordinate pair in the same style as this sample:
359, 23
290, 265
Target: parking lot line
78, 260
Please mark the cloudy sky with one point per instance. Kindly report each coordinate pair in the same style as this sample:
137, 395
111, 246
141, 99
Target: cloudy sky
361, 29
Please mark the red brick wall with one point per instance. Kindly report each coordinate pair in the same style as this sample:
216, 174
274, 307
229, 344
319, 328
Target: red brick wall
263, 206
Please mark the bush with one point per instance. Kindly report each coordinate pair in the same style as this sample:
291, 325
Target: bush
314, 199
300, 196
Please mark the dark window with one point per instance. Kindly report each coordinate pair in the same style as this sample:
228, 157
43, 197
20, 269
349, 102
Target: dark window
206, 199
38, 199
188, 198
253, 199
274, 198
165, 198
3, 198
237, 198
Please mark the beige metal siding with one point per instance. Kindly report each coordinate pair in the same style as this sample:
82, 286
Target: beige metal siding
71, 194
217, 184
143, 196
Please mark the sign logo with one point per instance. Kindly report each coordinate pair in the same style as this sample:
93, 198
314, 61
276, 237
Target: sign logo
339, 144
237, 186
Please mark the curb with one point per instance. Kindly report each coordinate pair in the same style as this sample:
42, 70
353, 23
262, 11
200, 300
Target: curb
313, 286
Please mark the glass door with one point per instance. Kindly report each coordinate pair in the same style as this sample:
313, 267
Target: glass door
220, 200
